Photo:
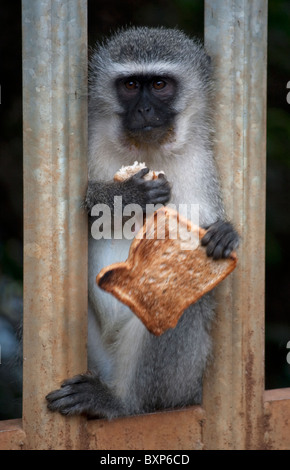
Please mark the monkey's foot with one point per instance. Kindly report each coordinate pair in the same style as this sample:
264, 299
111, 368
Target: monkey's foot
85, 394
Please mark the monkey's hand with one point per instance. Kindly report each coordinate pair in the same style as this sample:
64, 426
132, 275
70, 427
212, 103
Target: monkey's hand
134, 190
220, 240
85, 394
142, 192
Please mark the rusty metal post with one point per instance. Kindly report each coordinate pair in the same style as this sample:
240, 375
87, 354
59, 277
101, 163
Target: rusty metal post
55, 231
236, 39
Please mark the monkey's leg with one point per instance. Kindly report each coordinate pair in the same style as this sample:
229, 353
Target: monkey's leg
85, 394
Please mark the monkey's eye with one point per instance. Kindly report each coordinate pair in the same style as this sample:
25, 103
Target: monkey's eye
131, 84
158, 84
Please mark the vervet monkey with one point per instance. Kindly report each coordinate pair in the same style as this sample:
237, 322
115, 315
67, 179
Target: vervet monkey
150, 100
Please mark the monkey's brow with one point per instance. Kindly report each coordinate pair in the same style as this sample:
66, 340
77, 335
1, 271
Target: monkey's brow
144, 77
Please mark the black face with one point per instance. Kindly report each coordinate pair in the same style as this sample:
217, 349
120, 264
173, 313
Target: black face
148, 106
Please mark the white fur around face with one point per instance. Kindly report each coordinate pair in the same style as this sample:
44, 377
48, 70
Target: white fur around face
186, 162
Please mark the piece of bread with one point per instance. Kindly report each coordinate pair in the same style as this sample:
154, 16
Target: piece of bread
162, 277
126, 172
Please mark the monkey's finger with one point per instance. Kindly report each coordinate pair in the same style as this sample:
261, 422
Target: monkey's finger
158, 192
217, 231
159, 198
162, 200
158, 183
141, 173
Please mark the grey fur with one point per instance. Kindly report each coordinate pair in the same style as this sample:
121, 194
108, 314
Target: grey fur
133, 371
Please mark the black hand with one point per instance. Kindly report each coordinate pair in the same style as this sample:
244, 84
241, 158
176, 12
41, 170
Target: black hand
137, 190
134, 190
220, 240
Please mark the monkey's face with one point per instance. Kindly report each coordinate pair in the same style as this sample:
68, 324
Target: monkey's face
147, 103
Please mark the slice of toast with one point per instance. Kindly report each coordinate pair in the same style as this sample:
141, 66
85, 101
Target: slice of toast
163, 276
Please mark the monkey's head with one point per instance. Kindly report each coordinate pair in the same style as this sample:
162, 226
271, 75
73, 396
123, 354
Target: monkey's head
148, 82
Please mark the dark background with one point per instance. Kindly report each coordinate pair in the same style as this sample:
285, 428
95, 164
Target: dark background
105, 16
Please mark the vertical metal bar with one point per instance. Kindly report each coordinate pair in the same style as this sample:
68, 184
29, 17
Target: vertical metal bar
55, 226
236, 39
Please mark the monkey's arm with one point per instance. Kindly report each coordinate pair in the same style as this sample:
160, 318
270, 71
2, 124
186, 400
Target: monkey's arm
220, 239
134, 190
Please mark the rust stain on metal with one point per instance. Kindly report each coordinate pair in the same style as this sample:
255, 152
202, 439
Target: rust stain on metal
267, 428
277, 419
168, 430
12, 436
250, 383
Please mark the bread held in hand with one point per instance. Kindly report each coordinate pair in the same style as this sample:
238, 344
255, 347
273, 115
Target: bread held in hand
163, 276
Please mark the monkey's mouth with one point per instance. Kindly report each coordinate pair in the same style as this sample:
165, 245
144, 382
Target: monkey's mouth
149, 134
145, 128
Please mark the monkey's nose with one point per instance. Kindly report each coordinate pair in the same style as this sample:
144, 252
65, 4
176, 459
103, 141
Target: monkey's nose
144, 110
